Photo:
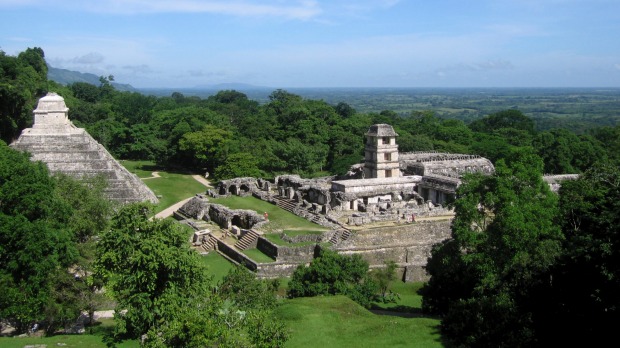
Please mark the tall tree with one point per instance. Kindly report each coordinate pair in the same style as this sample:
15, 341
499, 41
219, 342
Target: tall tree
149, 268
23, 79
34, 243
164, 293
503, 119
584, 303
205, 148
486, 280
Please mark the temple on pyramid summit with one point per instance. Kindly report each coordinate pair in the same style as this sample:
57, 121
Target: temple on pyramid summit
64, 148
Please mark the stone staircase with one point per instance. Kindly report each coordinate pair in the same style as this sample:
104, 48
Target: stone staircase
247, 241
209, 243
292, 207
340, 235
286, 204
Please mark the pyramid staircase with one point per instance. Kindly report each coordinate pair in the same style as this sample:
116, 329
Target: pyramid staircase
77, 154
248, 241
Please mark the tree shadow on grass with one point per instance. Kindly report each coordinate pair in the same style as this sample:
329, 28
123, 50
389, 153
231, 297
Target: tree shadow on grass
398, 311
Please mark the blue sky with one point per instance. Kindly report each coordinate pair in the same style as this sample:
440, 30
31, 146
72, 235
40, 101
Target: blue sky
325, 43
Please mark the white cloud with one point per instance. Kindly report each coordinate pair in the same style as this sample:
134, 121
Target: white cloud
88, 59
300, 9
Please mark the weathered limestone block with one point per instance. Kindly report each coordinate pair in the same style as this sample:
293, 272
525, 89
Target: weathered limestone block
418, 254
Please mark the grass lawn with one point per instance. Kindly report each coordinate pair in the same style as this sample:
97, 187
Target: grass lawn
279, 219
276, 239
410, 301
217, 265
258, 255
143, 169
337, 321
294, 233
172, 187
90, 340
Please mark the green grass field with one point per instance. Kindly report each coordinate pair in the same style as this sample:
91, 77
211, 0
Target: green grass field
172, 187
409, 302
337, 321
217, 265
93, 339
258, 255
293, 233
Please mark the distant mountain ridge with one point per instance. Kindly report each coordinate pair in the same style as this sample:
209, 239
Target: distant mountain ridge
65, 77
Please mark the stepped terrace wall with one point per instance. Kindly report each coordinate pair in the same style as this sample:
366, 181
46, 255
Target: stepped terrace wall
296, 254
408, 245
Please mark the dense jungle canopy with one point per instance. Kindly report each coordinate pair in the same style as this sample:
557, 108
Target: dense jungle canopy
229, 135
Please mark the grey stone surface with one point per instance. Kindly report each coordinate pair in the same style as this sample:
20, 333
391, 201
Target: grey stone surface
64, 148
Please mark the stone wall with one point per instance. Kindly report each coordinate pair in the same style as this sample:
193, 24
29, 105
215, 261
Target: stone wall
295, 254
408, 245
305, 238
237, 256
277, 269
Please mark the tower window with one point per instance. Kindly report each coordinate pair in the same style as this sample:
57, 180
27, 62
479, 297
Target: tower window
387, 156
385, 141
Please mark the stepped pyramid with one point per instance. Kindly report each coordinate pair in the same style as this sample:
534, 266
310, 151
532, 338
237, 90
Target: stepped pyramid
55, 141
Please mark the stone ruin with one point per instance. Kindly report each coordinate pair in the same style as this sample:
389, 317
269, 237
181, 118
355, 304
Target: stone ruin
375, 192
392, 207
199, 208
555, 181
64, 148
239, 186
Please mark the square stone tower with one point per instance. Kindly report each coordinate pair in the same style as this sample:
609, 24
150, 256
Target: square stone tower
381, 158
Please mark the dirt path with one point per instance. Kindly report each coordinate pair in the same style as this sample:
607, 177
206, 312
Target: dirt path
171, 209
202, 180
154, 175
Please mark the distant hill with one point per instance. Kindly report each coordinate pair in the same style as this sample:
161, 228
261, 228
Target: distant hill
65, 77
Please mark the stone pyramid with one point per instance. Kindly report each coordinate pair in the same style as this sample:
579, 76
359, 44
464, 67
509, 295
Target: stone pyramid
54, 140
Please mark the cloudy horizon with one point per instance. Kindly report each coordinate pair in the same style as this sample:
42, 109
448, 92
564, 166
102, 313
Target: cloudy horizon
318, 43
